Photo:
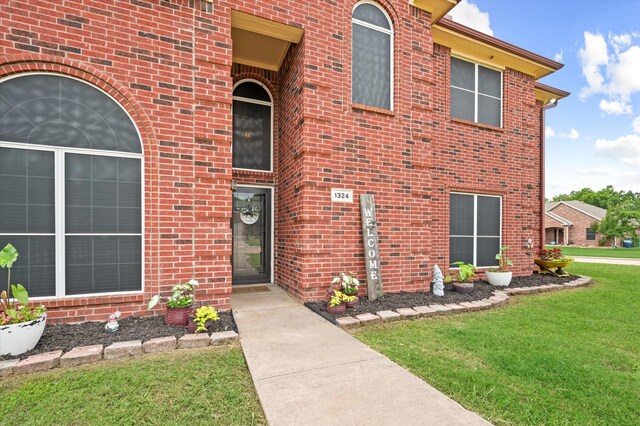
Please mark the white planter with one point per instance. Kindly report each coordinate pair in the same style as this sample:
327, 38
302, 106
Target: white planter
16, 339
499, 279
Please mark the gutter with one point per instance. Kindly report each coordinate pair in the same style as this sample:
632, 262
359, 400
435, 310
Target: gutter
552, 104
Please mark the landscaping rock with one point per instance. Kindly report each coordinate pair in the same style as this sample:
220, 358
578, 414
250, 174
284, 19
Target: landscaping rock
441, 309
368, 319
191, 341
408, 313
223, 338
6, 367
82, 355
471, 306
484, 303
348, 322
160, 344
40, 362
123, 350
387, 316
455, 307
498, 301
424, 311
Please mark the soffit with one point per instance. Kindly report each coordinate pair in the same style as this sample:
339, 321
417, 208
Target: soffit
437, 8
546, 94
260, 42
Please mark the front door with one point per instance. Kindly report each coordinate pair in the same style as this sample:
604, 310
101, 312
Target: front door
251, 222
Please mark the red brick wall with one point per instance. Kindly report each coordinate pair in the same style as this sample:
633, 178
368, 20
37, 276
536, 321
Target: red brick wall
170, 64
577, 231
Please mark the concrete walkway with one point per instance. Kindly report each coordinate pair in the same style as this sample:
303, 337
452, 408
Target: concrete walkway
309, 372
609, 260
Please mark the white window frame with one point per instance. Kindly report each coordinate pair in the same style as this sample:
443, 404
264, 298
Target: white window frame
257, 102
59, 197
391, 45
475, 92
475, 227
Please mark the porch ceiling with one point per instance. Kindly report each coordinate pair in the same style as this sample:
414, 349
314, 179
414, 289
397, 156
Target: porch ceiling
260, 42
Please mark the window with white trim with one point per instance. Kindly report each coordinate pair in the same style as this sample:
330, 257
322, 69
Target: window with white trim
476, 93
372, 56
71, 178
252, 126
475, 223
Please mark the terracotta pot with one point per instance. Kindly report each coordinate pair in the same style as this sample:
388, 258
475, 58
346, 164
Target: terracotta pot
462, 287
354, 303
337, 310
178, 316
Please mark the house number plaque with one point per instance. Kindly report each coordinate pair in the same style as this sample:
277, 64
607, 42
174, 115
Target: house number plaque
371, 251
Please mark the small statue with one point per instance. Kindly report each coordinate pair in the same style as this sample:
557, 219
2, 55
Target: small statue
112, 322
438, 281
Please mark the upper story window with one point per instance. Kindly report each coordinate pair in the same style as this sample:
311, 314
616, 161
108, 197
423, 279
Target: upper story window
71, 168
476, 93
372, 56
252, 126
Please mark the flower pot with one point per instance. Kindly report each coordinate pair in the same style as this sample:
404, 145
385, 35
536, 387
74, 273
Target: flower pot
337, 310
463, 287
356, 302
192, 325
499, 279
16, 339
178, 316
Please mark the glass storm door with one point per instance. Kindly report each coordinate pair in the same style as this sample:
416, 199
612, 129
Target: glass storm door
251, 223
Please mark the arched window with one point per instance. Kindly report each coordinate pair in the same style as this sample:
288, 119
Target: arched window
252, 126
70, 187
372, 56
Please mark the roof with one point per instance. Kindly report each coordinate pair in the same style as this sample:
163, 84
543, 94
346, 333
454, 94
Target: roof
547, 93
593, 211
559, 219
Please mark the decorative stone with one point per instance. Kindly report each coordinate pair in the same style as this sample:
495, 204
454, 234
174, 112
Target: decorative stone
6, 367
455, 308
123, 350
484, 303
471, 306
555, 287
40, 362
441, 309
424, 311
408, 313
571, 284
348, 322
366, 319
82, 355
389, 316
191, 341
501, 294
497, 301
223, 338
159, 344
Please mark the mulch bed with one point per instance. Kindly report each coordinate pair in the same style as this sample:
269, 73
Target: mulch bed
69, 336
392, 301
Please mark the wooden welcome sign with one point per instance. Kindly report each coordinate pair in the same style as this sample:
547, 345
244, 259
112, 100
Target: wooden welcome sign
371, 251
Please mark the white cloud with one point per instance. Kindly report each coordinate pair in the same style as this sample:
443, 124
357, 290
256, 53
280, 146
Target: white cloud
573, 135
625, 149
616, 107
549, 132
592, 56
620, 41
470, 15
558, 56
636, 124
563, 181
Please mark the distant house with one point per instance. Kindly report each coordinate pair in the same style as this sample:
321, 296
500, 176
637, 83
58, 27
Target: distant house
569, 222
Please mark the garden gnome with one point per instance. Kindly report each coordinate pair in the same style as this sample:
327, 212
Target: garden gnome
112, 322
438, 284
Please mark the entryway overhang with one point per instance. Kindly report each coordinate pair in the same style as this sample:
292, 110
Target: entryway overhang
259, 42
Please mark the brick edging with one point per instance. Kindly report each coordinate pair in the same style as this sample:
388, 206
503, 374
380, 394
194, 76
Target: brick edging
500, 297
119, 350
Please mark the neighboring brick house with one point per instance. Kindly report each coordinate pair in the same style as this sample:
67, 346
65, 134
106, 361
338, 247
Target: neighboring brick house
147, 142
569, 223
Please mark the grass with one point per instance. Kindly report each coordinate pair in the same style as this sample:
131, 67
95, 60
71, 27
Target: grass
562, 358
208, 386
626, 253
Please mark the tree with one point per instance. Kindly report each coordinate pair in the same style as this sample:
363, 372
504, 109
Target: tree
605, 198
620, 223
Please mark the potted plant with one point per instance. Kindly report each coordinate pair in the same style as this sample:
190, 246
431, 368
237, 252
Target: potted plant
179, 304
337, 304
202, 316
548, 260
21, 325
500, 276
462, 280
350, 286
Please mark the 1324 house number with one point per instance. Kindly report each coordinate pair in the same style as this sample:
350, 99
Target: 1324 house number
342, 195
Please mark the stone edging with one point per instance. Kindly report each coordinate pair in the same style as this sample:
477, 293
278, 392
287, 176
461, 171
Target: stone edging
89, 354
499, 298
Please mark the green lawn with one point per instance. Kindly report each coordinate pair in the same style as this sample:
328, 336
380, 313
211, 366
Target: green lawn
209, 386
599, 251
564, 358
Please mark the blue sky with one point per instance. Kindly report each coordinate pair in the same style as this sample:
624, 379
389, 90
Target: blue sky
593, 137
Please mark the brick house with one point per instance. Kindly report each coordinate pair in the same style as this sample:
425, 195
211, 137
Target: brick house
569, 223
147, 142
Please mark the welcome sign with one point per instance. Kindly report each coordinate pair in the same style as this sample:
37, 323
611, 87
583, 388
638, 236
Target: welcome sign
371, 251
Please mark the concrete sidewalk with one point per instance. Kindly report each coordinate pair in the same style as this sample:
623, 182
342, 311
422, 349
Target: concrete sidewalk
309, 372
609, 260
